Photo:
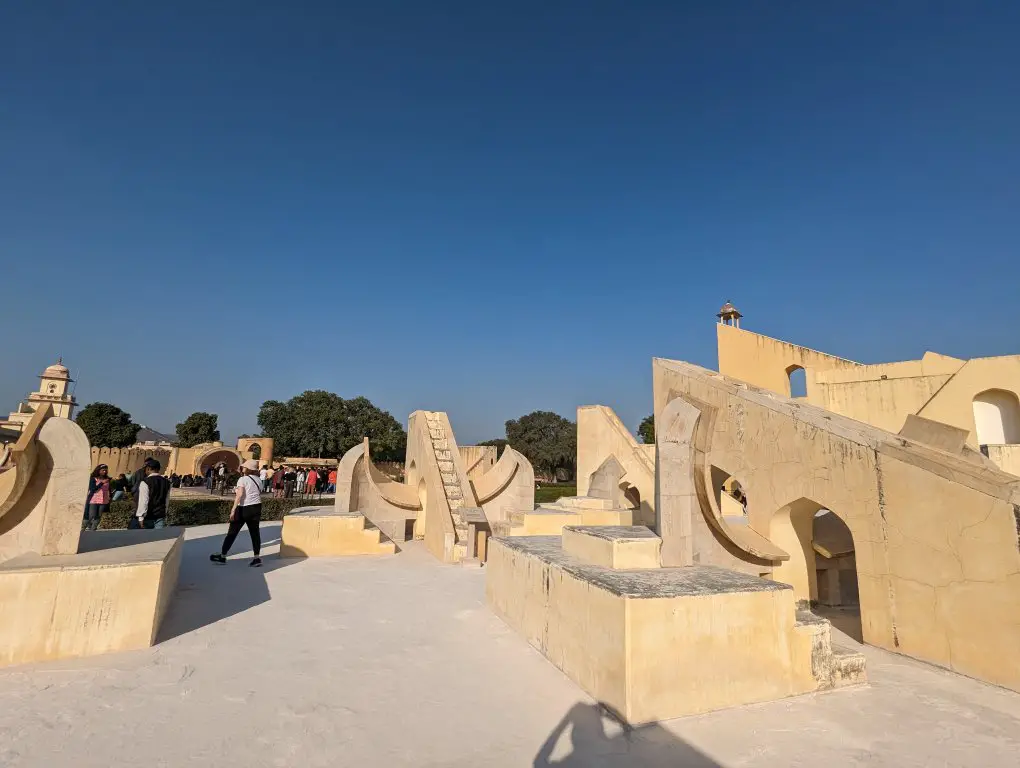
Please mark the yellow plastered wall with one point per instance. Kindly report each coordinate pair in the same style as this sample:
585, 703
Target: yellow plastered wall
935, 537
765, 362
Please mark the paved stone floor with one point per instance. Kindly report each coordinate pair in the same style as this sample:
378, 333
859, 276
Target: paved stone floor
397, 662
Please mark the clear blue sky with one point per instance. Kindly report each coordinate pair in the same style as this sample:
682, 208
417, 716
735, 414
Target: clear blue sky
494, 207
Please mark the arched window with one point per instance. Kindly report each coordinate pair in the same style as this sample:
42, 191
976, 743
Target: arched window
997, 417
255, 450
797, 381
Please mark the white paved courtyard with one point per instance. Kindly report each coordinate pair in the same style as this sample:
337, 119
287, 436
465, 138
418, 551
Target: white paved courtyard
397, 662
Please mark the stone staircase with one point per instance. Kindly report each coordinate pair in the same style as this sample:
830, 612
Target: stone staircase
323, 532
550, 519
832, 665
451, 480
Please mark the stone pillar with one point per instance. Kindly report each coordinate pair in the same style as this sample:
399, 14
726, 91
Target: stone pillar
676, 496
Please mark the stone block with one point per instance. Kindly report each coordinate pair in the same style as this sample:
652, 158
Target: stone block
111, 596
660, 643
322, 532
616, 547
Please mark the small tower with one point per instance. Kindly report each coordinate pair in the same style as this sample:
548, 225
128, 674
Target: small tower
729, 315
53, 389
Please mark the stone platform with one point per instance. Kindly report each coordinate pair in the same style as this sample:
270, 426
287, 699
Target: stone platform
111, 596
551, 519
324, 532
658, 643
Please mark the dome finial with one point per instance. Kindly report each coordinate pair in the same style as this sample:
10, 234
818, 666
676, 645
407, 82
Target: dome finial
729, 315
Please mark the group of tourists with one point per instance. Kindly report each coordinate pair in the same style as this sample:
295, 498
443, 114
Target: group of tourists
284, 482
149, 489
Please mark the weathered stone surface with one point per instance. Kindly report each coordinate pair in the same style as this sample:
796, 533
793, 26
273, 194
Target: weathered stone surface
650, 584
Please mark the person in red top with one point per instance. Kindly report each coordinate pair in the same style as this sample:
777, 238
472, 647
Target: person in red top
97, 501
311, 480
332, 481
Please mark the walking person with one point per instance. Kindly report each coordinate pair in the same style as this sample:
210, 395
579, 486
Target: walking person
247, 511
300, 480
264, 475
151, 498
331, 488
277, 482
98, 500
312, 481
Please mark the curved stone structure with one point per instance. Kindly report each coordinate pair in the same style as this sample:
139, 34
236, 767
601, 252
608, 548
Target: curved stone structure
935, 535
63, 594
43, 509
437, 500
602, 436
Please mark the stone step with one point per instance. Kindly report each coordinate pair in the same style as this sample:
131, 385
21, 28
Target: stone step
849, 667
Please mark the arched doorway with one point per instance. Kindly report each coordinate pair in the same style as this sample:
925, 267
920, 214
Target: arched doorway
255, 450
822, 568
222, 455
797, 381
997, 417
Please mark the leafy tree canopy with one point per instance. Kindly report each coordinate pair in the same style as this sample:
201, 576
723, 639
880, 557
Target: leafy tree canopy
646, 430
199, 427
107, 426
500, 444
548, 440
322, 424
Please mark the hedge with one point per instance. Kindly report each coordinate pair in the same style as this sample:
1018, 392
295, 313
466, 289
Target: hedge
549, 493
187, 512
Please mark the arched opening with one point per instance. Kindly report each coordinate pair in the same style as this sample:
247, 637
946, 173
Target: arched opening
730, 495
997, 417
797, 381
411, 475
822, 568
423, 500
255, 450
633, 497
223, 456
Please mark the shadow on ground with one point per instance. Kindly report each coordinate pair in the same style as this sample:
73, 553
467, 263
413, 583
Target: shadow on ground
590, 746
207, 592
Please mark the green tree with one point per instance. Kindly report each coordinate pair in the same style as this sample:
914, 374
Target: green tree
322, 424
646, 429
548, 440
107, 426
199, 427
500, 444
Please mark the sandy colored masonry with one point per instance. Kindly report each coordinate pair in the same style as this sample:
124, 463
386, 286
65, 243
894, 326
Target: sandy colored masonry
317, 532
445, 491
935, 534
980, 396
653, 644
63, 593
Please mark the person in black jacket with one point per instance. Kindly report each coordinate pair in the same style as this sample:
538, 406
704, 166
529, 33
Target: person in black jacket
151, 498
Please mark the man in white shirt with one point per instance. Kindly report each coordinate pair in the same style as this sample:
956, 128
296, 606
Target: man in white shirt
264, 478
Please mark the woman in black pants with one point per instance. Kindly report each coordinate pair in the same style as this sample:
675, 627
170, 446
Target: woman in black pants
247, 511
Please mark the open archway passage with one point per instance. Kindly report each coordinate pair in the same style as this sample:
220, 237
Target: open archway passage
226, 456
255, 450
797, 380
822, 568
